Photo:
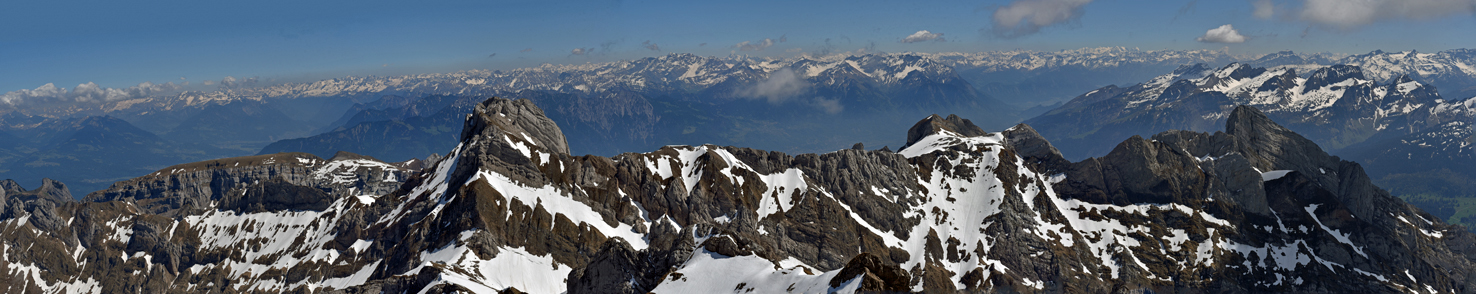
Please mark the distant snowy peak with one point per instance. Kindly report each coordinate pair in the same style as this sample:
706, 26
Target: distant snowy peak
1381, 66
1282, 89
683, 71
678, 70
1092, 58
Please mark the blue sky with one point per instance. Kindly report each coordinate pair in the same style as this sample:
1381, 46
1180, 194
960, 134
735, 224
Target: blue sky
121, 44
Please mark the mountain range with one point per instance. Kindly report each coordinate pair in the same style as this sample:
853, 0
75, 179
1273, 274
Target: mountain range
1253, 208
1402, 129
800, 104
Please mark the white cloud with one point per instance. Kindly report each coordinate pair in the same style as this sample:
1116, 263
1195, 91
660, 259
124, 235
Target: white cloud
1264, 9
233, 82
923, 36
1345, 14
581, 51
831, 106
650, 45
88, 92
781, 85
755, 46
1025, 17
1222, 34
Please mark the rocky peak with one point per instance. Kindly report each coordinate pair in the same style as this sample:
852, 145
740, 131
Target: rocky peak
50, 190
1270, 146
11, 186
1332, 75
519, 120
1190, 69
936, 124
345, 155
1034, 148
1239, 71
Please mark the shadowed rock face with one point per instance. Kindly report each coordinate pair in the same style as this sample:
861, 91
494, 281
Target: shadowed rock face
935, 124
276, 195
1253, 209
191, 188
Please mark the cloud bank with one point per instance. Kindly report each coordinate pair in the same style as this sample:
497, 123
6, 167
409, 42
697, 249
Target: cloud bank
781, 85
1222, 34
88, 92
1027, 17
924, 36
759, 45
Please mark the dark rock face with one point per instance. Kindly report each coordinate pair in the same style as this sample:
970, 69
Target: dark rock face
935, 124
876, 275
518, 117
50, 190
191, 188
612, 270
276, 195
1254, 209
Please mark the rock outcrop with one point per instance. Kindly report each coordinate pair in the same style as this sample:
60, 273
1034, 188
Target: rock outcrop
196, 187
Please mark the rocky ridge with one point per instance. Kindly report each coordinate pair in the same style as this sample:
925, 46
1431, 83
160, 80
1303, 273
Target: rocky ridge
190, 188
1256, 208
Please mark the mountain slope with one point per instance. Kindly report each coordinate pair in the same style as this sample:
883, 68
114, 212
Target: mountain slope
245, 126
1402, 130
93, 152
1256, 208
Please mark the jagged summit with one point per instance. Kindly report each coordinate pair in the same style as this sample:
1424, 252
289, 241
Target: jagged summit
189, 188
50, 190
518, 120
959, 210
345, 155
934, 124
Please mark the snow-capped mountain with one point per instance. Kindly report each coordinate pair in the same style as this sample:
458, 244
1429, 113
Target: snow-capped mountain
1336, 106
1453, 70
640, 104
1089, 58
1393, 127
1256, 208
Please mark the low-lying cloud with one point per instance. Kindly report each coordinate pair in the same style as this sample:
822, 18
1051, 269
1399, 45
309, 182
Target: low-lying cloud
651, 46
924, 36
780, 86
88, 92
1223, 34
759, 45
786, 86
1027, 17
831, 106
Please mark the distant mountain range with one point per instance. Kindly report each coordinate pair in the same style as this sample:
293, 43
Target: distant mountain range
1403, 130
802, 104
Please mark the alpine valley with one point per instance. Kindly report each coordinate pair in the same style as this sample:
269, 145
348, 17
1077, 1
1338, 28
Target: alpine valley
798, 104
1253, 208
